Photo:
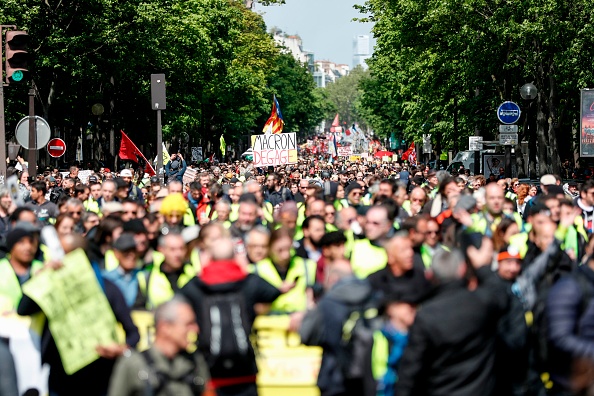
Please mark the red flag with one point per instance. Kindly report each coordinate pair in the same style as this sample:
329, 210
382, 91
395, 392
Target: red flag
336, 125
410, 155
129, 151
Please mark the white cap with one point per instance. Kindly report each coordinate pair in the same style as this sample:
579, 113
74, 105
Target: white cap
126, 173
548, 180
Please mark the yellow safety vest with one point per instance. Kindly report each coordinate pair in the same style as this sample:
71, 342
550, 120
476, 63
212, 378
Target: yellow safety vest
300, 269
92, 206
111, 262
155, 286
10, 287
267, 213
367, 258
482, 225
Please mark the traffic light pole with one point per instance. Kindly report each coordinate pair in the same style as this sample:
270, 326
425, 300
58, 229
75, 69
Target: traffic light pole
2, 122
32, 152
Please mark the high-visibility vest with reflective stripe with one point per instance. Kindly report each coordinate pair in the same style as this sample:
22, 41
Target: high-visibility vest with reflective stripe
295, 300
427, 254
367, 258
511, 195
159, 290
482, 225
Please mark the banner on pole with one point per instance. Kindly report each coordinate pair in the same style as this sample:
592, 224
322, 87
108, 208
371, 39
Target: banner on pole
587, 123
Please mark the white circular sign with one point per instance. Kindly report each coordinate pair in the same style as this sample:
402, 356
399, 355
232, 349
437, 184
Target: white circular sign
42, 136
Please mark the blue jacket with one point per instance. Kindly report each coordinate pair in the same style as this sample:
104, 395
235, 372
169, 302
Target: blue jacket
570, 322
177, 173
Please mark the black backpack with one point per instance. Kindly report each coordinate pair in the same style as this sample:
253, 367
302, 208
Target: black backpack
356, 349
225, 333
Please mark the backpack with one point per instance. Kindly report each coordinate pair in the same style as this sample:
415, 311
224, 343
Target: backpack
225, 333
195, 381
356, 349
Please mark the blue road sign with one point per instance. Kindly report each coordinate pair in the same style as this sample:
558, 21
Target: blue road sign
508, 113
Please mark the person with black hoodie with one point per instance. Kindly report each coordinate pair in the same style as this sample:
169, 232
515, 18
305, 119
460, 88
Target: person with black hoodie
223, 295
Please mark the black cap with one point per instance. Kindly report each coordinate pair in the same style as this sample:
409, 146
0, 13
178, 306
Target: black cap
155, 180
351, 187
92, 179
16, 235
124, 243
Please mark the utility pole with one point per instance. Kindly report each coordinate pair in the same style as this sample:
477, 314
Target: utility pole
32, 152
2, 122
159, 103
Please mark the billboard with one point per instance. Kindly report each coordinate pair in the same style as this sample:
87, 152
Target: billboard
587, 123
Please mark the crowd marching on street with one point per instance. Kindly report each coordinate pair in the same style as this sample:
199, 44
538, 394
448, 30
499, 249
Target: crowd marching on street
413, 281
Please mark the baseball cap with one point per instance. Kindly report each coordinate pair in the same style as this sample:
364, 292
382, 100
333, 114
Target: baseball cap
155, 180
126, 173
93, 179
509, 252
548, 180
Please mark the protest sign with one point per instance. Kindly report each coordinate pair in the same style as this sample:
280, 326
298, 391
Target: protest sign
344, 151
83, 175
355, 157
276, 149
13, 188
189, 175
80, 317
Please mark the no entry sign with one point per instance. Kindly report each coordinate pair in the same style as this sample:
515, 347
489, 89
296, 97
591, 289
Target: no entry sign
56, 147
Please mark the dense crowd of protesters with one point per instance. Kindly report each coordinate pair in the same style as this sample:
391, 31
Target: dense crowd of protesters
413, 281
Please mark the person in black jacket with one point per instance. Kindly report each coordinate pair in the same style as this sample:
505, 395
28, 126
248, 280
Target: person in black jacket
324, 327
570, 325
402, 276
224, 276
451, 347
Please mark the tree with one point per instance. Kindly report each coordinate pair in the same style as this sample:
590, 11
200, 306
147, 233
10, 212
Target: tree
344, 94
216, 56
450, 64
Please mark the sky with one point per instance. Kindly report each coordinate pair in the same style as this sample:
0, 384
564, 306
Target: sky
325, 26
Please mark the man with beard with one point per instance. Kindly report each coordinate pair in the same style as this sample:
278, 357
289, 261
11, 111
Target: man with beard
314, 228
275, 193
133, 192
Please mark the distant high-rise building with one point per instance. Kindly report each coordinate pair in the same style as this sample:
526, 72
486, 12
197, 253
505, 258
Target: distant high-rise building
361, 50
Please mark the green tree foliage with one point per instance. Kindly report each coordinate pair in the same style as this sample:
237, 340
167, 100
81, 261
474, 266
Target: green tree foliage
450, 64
344, 96
216, 55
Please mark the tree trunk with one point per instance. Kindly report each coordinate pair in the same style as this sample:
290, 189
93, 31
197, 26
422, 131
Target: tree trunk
553, 148
541, 131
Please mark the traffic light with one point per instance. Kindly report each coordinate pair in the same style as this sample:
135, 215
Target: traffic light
17, 56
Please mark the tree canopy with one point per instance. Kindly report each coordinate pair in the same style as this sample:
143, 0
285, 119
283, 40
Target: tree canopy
221, 68
444, 67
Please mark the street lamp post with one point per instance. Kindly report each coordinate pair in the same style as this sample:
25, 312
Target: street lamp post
529, 92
